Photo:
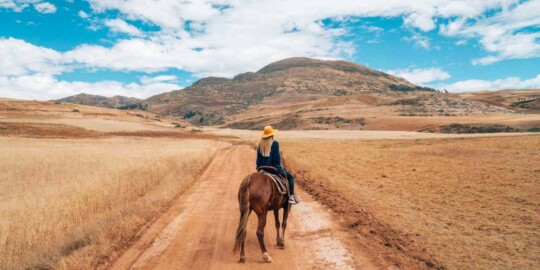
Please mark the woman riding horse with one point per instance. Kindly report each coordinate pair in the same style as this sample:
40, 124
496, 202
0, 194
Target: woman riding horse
268, 154
258, 193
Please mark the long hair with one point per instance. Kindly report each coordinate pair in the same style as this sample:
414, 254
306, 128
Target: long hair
265, 146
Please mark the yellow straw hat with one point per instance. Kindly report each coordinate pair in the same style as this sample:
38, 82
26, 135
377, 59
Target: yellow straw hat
268, 131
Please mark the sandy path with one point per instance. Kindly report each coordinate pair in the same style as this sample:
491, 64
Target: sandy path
198, 231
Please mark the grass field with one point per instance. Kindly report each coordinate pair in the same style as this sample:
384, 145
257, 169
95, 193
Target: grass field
458, 203
72, 204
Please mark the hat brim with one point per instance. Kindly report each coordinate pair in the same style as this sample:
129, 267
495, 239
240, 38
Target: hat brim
264, 136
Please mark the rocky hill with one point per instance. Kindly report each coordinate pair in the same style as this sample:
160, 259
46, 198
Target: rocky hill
101, 101
303, 93
211, 101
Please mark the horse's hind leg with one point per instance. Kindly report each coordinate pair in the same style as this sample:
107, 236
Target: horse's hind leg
278, 238
260, 235
242, 252
286, 211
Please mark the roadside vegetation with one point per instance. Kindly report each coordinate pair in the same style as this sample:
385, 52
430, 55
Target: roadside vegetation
452, 203
75, 203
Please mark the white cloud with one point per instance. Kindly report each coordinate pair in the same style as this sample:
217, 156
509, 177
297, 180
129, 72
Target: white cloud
507, 83
45, 7
263, 31
419, 40
16, 6
121, 26
18, 57
226, 37
461, 42
44, 87
160, 78
222, 51
20, 5
166, 13
247, 35
83, 14
422, 21
421, 75
503, 35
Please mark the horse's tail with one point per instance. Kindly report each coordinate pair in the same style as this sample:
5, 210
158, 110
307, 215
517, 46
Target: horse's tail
243, 201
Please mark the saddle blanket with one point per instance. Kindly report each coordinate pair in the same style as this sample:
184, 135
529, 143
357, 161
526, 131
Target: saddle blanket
281, 183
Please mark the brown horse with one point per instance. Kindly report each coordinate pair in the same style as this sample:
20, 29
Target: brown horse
258, 193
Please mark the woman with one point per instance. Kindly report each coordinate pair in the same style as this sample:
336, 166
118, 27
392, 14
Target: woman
268, 155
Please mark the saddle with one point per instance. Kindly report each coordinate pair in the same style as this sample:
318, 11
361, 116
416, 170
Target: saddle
281, 183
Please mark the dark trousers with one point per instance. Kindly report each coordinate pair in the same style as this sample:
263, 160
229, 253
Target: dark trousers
291, 181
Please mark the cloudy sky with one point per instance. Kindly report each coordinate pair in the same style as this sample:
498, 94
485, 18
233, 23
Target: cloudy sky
53, 49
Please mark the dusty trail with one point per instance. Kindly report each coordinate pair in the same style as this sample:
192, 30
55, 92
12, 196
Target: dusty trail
198, 231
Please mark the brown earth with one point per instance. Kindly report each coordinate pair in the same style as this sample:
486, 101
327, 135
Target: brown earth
467, 203
198, 231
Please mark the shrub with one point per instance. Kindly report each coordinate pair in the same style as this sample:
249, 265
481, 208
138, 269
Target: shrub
134, 106
190, 114
405, 88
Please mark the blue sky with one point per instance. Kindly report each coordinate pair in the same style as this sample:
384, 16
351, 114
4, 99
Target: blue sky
52, 49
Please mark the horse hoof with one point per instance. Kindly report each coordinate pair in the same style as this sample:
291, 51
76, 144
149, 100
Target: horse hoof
267, 258
242, 260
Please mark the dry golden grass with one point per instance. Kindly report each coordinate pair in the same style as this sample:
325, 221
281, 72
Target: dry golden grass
73, 204
468, 203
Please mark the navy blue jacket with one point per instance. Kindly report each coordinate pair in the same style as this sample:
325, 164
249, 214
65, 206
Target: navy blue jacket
274, 160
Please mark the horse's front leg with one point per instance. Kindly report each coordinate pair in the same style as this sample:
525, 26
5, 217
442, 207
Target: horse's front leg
260, 235
276, 217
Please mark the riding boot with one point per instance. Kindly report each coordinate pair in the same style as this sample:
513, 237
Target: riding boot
293, 199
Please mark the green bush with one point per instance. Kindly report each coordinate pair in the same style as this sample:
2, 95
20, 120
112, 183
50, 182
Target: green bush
405, 88
189, 114
134, 106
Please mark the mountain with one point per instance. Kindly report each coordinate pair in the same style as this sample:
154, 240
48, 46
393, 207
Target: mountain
212, 100
101, 101
304, 93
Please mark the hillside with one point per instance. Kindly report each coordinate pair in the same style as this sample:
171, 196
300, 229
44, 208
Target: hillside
101, 101
526, 101
303, 93
212, 100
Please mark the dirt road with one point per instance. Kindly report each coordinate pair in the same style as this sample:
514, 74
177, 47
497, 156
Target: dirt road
198, 231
